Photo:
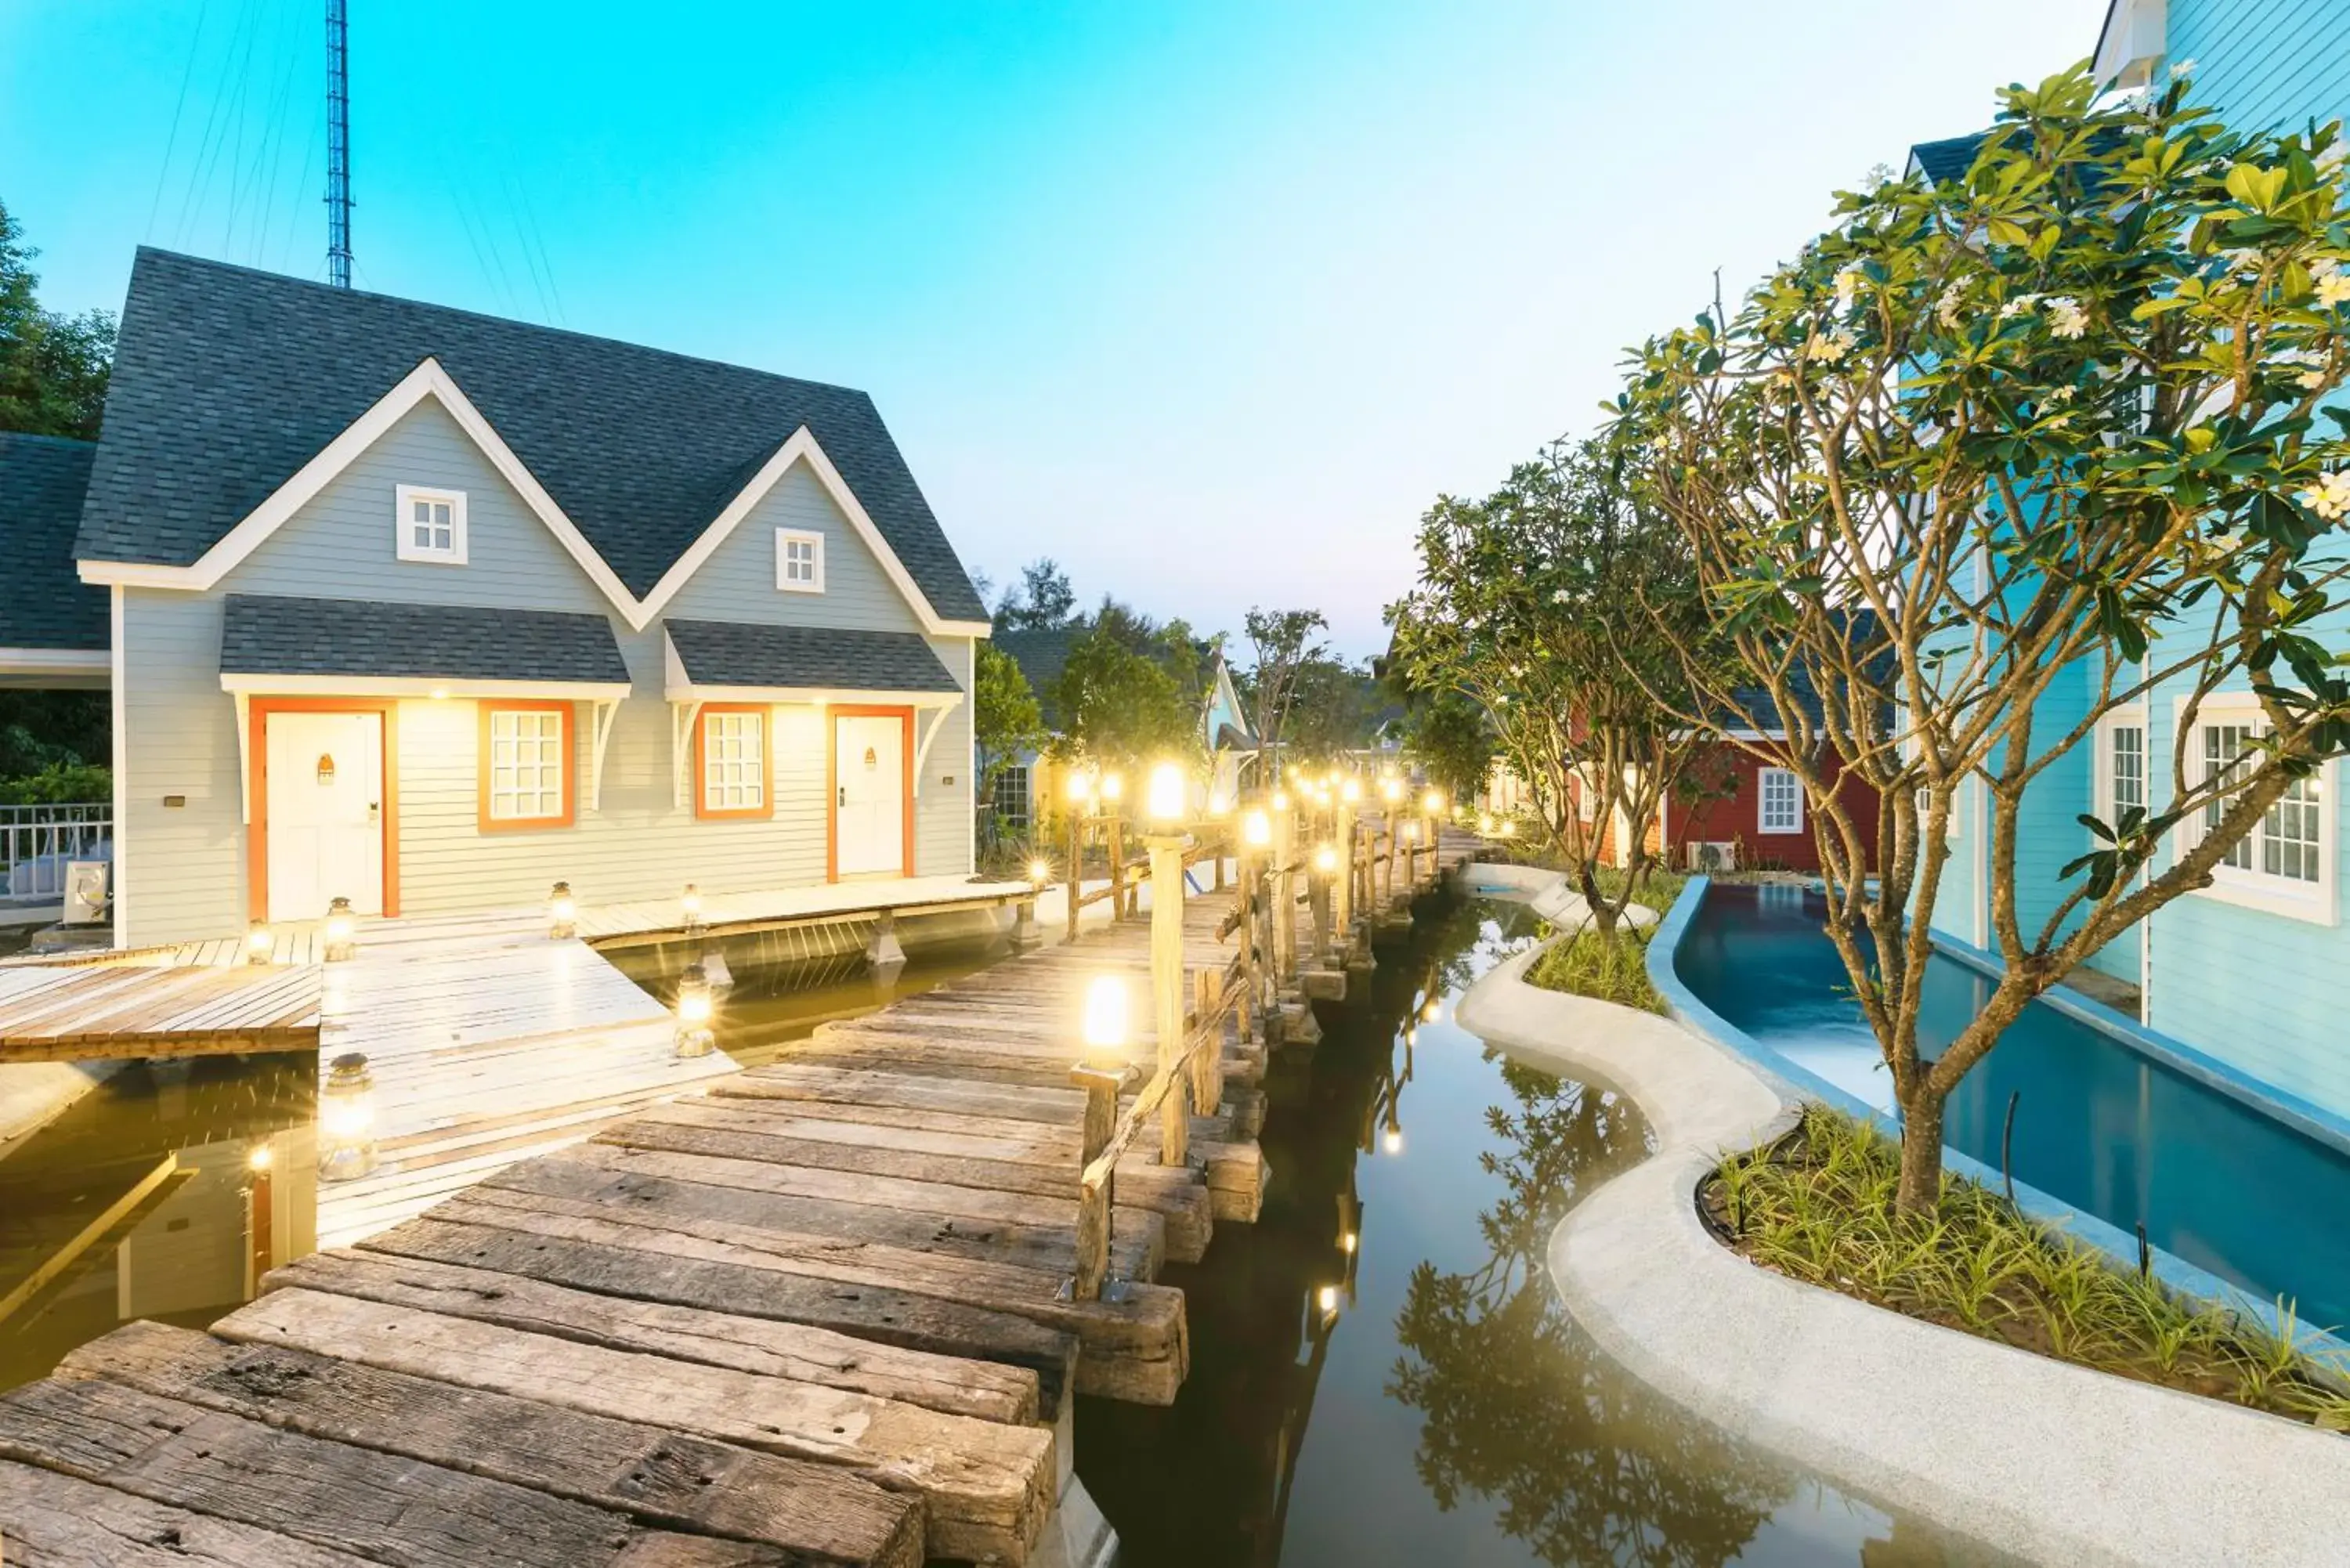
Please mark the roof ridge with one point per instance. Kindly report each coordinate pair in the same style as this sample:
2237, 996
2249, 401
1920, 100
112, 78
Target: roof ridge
627, 343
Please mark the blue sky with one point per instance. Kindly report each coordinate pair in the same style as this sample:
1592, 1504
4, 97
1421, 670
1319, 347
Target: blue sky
1207, 300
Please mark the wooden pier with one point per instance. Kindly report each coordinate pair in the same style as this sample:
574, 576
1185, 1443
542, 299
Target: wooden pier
833, 1310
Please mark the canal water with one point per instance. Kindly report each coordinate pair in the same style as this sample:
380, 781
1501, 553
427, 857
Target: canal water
1445, 1410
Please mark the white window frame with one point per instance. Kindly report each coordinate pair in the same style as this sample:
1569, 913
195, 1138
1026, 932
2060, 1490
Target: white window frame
2250, 887
550, 749
748, 738
1763, 777
2105, 805
784, 582
404, 500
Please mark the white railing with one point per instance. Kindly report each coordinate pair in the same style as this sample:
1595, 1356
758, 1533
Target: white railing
38, 843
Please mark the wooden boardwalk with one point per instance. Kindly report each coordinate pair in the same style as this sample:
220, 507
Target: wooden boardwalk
823, 1316
78, 1013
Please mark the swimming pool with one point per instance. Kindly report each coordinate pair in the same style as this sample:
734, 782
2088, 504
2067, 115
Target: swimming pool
2099, 1125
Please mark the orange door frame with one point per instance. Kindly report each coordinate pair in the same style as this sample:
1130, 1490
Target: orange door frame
256, 835
832, 717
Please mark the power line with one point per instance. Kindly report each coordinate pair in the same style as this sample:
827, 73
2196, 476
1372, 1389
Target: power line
161, 175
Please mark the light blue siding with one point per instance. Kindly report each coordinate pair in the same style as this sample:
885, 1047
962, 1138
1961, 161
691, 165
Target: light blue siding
2266, 63
185, 867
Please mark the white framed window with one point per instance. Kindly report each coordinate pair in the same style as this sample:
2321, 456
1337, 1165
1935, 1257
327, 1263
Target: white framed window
732, 763
1012, 798
799, 561
429, 525
526, 765
2285, 865
1779, 805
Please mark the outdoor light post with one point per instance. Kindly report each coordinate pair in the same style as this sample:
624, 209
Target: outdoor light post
1256, 839
1024, 932
1101, 1071
1081, 806
1281, 892
1431, 818
1164, 809
1392, 792
1113, 790
1342, 890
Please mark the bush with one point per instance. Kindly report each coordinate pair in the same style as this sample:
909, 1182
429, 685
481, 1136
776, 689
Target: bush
59, 784
1818, 1207
1613, 967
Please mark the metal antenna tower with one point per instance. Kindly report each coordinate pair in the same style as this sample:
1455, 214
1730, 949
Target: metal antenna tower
339, 146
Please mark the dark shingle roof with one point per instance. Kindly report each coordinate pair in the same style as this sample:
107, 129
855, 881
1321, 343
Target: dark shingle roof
264, 635
226, 380
732, 653
42, 603
1042, 654
1949, 159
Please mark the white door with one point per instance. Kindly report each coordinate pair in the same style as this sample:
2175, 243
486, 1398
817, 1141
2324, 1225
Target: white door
870, 795
325, 813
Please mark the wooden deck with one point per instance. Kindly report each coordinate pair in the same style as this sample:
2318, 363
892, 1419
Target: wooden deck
821, 1315
73, 1013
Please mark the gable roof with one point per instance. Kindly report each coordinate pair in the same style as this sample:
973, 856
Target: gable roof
264, 634
42, 603
228, 380
805, 657
1042, 654
1947, 160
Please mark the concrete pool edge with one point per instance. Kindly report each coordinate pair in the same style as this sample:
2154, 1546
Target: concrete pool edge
1985, 1440
1794, 1080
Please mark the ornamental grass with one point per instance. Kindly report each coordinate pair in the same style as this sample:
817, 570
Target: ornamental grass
1817, 1206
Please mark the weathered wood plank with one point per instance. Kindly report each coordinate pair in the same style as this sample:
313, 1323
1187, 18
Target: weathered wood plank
52, 1521
988, 1190
739, 1193
1134, 1348
988, 1390
374, 1505
888, 1315
816, 1514
988, 1486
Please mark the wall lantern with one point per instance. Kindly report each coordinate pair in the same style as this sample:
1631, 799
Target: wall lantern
347, 1120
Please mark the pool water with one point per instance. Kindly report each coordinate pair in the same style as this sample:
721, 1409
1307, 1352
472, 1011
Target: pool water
2098, 1124
1447, 1411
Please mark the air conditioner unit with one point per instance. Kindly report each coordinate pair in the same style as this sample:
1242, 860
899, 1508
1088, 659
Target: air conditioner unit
85, 895
1718, 855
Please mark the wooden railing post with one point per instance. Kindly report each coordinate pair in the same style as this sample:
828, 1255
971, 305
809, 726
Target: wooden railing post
1207, 1056
1077, 866
1167, 987
1095, 1198
1281, 895
1342, 886
1117, 868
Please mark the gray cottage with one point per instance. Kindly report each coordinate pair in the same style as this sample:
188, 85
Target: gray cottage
429, 609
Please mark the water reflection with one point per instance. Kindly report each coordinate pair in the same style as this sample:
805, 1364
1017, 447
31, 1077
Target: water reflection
167, 1192
1382, 1372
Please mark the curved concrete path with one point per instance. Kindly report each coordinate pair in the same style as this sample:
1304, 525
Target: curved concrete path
2029, 1456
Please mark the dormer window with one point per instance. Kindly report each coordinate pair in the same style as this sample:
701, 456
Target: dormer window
430, 524
799, 561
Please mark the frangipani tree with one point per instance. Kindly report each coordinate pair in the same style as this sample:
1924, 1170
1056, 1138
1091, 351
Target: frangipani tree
2055, 425
1529, 606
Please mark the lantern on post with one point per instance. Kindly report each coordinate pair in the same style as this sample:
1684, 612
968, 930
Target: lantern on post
697, 1006
347, 1120
562, 913
1080, 793
342, 932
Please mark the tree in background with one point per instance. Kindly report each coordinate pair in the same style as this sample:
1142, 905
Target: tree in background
1331, 706
1042, 600
1530, 606
1449, 734
1129, 694
2058, 422
1007, 723
1280, 643
53, 368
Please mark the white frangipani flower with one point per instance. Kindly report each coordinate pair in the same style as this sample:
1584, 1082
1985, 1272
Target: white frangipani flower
1848, 286
2333, 289
2330, 496
1829, 348
2067, 318
2241, 260
2019, 304
1946, 309
2060, 394
2183, 68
